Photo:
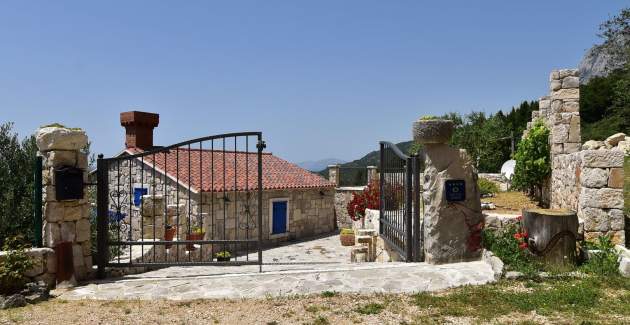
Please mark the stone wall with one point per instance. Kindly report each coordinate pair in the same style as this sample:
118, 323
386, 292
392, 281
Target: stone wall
497, 178
67, 220
584, 178
44, 265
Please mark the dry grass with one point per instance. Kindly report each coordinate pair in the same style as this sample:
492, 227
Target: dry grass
569, 301
511, 202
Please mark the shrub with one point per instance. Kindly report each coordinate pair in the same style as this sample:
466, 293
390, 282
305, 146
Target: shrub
15, 263
510, 245
223, 254
533, 164
368, 199
487, 187
604, 260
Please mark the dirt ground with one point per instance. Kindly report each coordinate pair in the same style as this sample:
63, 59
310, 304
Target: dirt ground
510, 202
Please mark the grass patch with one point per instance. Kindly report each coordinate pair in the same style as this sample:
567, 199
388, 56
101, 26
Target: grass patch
329, 294
583, 297
370, 309
321, 320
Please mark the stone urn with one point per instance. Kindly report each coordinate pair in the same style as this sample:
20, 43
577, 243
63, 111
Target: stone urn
433, 131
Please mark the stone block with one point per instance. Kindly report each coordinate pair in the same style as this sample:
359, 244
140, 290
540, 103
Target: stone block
616, 178
574, 129
38, 256
571, 106
544, 103
617, 237
563, 73
595, 220
572, 147
594, 177
624, 267
68, 231
57, 158
87, 248
566, 94
51, 262
52, 234
54, 211
592, 236
173, 209
592, 145
605, 198
616, 219
77, 256
556, 106
559, 133
74, 212
614, 139
602, 158
58, 138
571, 82
557, 148
152, 205
555, 85
554, 75
83, 229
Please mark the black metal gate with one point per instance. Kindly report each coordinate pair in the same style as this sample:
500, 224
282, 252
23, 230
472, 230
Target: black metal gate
198, 202
401, 206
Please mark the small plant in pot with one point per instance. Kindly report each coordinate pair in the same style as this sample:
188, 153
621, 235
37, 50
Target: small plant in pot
196, 234
347, 237
169, 234
223, 256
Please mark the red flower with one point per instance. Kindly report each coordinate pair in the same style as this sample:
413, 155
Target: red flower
519, 218
523, 246
525, 234
517, 235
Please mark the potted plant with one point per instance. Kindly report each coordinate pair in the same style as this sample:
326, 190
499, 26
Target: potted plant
169, 234
432, 130
347, 237
196, 234
223, 256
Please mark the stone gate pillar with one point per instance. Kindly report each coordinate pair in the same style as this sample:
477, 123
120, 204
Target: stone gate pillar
452, 208
333, 174
66, 211
372, 174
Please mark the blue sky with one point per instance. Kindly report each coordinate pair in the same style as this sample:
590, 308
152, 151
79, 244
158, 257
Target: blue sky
319, 78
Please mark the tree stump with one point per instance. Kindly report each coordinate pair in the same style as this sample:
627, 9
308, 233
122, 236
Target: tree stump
552, 236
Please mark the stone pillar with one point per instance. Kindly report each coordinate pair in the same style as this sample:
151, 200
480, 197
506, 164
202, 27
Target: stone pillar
333, 174
452, 229
65, 220
372, 174
565, 111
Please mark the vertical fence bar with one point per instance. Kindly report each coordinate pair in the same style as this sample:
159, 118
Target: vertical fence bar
408, 208
101, 214
260, 147
417, 255
37, 202
381, 187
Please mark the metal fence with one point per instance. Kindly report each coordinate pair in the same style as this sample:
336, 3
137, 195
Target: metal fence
400, 206
198, 202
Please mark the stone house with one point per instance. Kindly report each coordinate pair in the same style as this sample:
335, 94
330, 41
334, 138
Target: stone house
214, 190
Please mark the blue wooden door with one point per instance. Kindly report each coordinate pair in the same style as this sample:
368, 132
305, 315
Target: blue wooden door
279, 223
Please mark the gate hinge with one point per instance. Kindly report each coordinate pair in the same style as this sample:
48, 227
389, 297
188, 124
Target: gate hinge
261, 145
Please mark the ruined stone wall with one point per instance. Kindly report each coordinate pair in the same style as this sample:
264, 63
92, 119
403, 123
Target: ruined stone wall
584, 178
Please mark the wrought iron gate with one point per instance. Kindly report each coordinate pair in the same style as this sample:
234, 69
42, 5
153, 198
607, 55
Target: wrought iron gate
401, 206
198, 202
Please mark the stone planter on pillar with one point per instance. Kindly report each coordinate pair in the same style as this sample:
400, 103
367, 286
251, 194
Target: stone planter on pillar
452, 209
66, 217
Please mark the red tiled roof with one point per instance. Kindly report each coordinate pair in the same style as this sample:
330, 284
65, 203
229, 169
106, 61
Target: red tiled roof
207, 172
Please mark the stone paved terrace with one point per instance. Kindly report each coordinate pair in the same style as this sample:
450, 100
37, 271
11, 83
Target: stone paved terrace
332, 273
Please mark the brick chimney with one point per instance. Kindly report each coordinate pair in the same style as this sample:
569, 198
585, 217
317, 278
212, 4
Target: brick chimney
139, 128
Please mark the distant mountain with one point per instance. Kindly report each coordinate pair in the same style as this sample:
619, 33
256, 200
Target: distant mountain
318, 165
355, 172
597, 63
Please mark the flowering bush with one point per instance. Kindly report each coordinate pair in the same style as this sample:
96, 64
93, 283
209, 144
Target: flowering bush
510, 245
368, 199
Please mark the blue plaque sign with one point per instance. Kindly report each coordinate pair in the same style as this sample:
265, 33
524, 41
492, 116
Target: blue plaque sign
455, 190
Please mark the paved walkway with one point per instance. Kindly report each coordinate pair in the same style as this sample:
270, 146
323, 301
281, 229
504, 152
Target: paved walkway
322, 265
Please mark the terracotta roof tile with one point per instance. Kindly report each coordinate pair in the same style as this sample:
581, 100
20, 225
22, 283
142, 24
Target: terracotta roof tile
240, 173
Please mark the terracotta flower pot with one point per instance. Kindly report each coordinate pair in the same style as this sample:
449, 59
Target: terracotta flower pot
169, 234
347, 239
193, 236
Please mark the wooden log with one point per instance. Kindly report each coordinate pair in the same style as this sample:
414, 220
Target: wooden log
552, 236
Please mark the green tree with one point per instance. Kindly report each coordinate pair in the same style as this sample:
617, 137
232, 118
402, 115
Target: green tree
532, 157
16, 184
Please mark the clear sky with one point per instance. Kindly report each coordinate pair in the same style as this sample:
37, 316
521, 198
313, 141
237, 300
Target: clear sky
320, 79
